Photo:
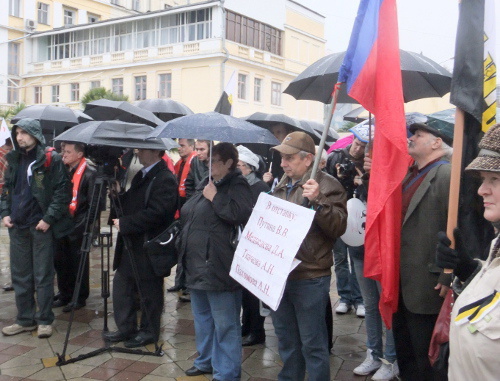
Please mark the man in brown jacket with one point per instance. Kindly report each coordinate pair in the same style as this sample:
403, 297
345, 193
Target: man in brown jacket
299, 321
423, 284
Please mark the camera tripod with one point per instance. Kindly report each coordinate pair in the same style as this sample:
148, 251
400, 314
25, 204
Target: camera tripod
103, 182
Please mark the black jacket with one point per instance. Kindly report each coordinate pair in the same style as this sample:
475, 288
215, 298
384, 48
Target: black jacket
84, 198
142, 221
342, 156
207, 227
197, 173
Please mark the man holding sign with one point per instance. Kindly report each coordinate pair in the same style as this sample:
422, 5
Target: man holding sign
299, 321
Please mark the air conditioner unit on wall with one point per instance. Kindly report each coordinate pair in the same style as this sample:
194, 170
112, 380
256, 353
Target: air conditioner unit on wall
30, 24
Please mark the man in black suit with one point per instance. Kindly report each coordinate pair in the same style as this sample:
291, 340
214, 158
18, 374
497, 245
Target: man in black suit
67, 253
148, 209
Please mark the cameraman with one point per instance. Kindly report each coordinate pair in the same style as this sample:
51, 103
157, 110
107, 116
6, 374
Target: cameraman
346, 164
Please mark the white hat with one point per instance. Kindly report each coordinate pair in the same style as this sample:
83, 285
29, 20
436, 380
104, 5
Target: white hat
248, 157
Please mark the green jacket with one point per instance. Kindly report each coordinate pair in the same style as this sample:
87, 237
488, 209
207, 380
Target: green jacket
50, 187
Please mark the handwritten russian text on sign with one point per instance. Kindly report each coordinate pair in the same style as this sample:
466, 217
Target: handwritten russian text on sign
268, 245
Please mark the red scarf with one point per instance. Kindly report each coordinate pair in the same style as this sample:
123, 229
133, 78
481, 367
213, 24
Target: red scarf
185, 171
76, 180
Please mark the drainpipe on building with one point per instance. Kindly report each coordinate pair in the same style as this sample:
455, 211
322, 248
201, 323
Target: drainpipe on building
224, 49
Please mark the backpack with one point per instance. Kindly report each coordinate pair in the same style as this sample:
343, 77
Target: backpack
48, 156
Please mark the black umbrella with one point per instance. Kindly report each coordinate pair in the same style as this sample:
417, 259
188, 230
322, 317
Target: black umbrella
318, 128
53, 119
354, 115
82, 117
115, 133
214, 126
422, 78
265, 120
165, 109
104, 109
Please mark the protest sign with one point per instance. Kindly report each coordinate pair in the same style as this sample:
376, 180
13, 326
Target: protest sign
268, 245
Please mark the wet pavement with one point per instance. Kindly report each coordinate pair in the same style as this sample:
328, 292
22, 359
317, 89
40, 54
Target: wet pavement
26, 357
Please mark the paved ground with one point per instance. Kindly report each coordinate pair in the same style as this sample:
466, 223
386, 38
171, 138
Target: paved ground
25, 357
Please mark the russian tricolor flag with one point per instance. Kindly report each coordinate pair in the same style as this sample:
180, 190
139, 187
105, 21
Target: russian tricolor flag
372, 71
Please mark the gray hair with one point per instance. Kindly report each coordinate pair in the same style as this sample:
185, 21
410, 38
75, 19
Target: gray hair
447, 151
303, 154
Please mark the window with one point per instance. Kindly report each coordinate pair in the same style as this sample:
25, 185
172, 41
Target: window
257, 89
253, 33
117, 86
15, 8
92, 18
55, 93
69, 17
136, 5
276, 93
140, 87
75, 92
13, 91
43, 13
37, 94
13, 68
165, 86
94, 84
127, 35
242, 86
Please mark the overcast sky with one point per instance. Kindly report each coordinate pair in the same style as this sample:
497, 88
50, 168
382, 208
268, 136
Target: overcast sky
425, 26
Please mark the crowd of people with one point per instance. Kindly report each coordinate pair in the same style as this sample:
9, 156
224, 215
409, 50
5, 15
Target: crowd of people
45, 203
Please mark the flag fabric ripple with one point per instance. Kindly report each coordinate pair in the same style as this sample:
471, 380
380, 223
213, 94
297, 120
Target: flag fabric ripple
372, 72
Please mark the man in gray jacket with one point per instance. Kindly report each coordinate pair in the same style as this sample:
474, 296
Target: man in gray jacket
422, 284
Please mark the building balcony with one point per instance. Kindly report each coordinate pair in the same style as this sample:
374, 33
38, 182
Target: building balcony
129, 56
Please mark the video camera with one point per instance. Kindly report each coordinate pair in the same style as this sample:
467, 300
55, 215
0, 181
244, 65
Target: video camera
105, 156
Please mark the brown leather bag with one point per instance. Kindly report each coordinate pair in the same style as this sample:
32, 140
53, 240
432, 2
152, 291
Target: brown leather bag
439, 348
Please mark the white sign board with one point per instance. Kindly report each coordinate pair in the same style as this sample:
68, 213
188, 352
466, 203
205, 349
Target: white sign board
268, 245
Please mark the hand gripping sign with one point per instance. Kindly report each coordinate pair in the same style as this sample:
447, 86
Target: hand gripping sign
266, 251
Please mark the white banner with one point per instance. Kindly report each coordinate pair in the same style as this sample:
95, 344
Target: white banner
268, 245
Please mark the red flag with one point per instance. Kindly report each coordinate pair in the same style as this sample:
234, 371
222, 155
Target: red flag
373, 74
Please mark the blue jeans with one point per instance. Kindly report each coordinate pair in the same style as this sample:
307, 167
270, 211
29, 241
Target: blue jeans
347, 284
218, 332
371, 290
32, 269
299, 323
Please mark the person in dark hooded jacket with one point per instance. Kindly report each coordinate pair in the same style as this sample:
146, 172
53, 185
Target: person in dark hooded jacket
34, 207
209, 219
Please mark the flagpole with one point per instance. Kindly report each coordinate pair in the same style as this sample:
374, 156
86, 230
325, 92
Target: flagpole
324, 135
456, 172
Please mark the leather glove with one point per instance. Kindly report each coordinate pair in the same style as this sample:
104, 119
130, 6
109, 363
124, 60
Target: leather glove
456, 259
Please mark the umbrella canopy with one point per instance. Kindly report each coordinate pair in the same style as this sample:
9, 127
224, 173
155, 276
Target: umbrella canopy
268, 120
165, 109
442, 119
115, 133
214, 126
355, 115
318, 128
422, 78
82, 117
105, 109
53, 119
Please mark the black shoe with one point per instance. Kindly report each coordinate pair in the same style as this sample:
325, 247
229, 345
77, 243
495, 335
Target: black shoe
184, 295
59, 303
117, 336
8, 287
252, 339
78, 305
194, 371
174, 289
139, 341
